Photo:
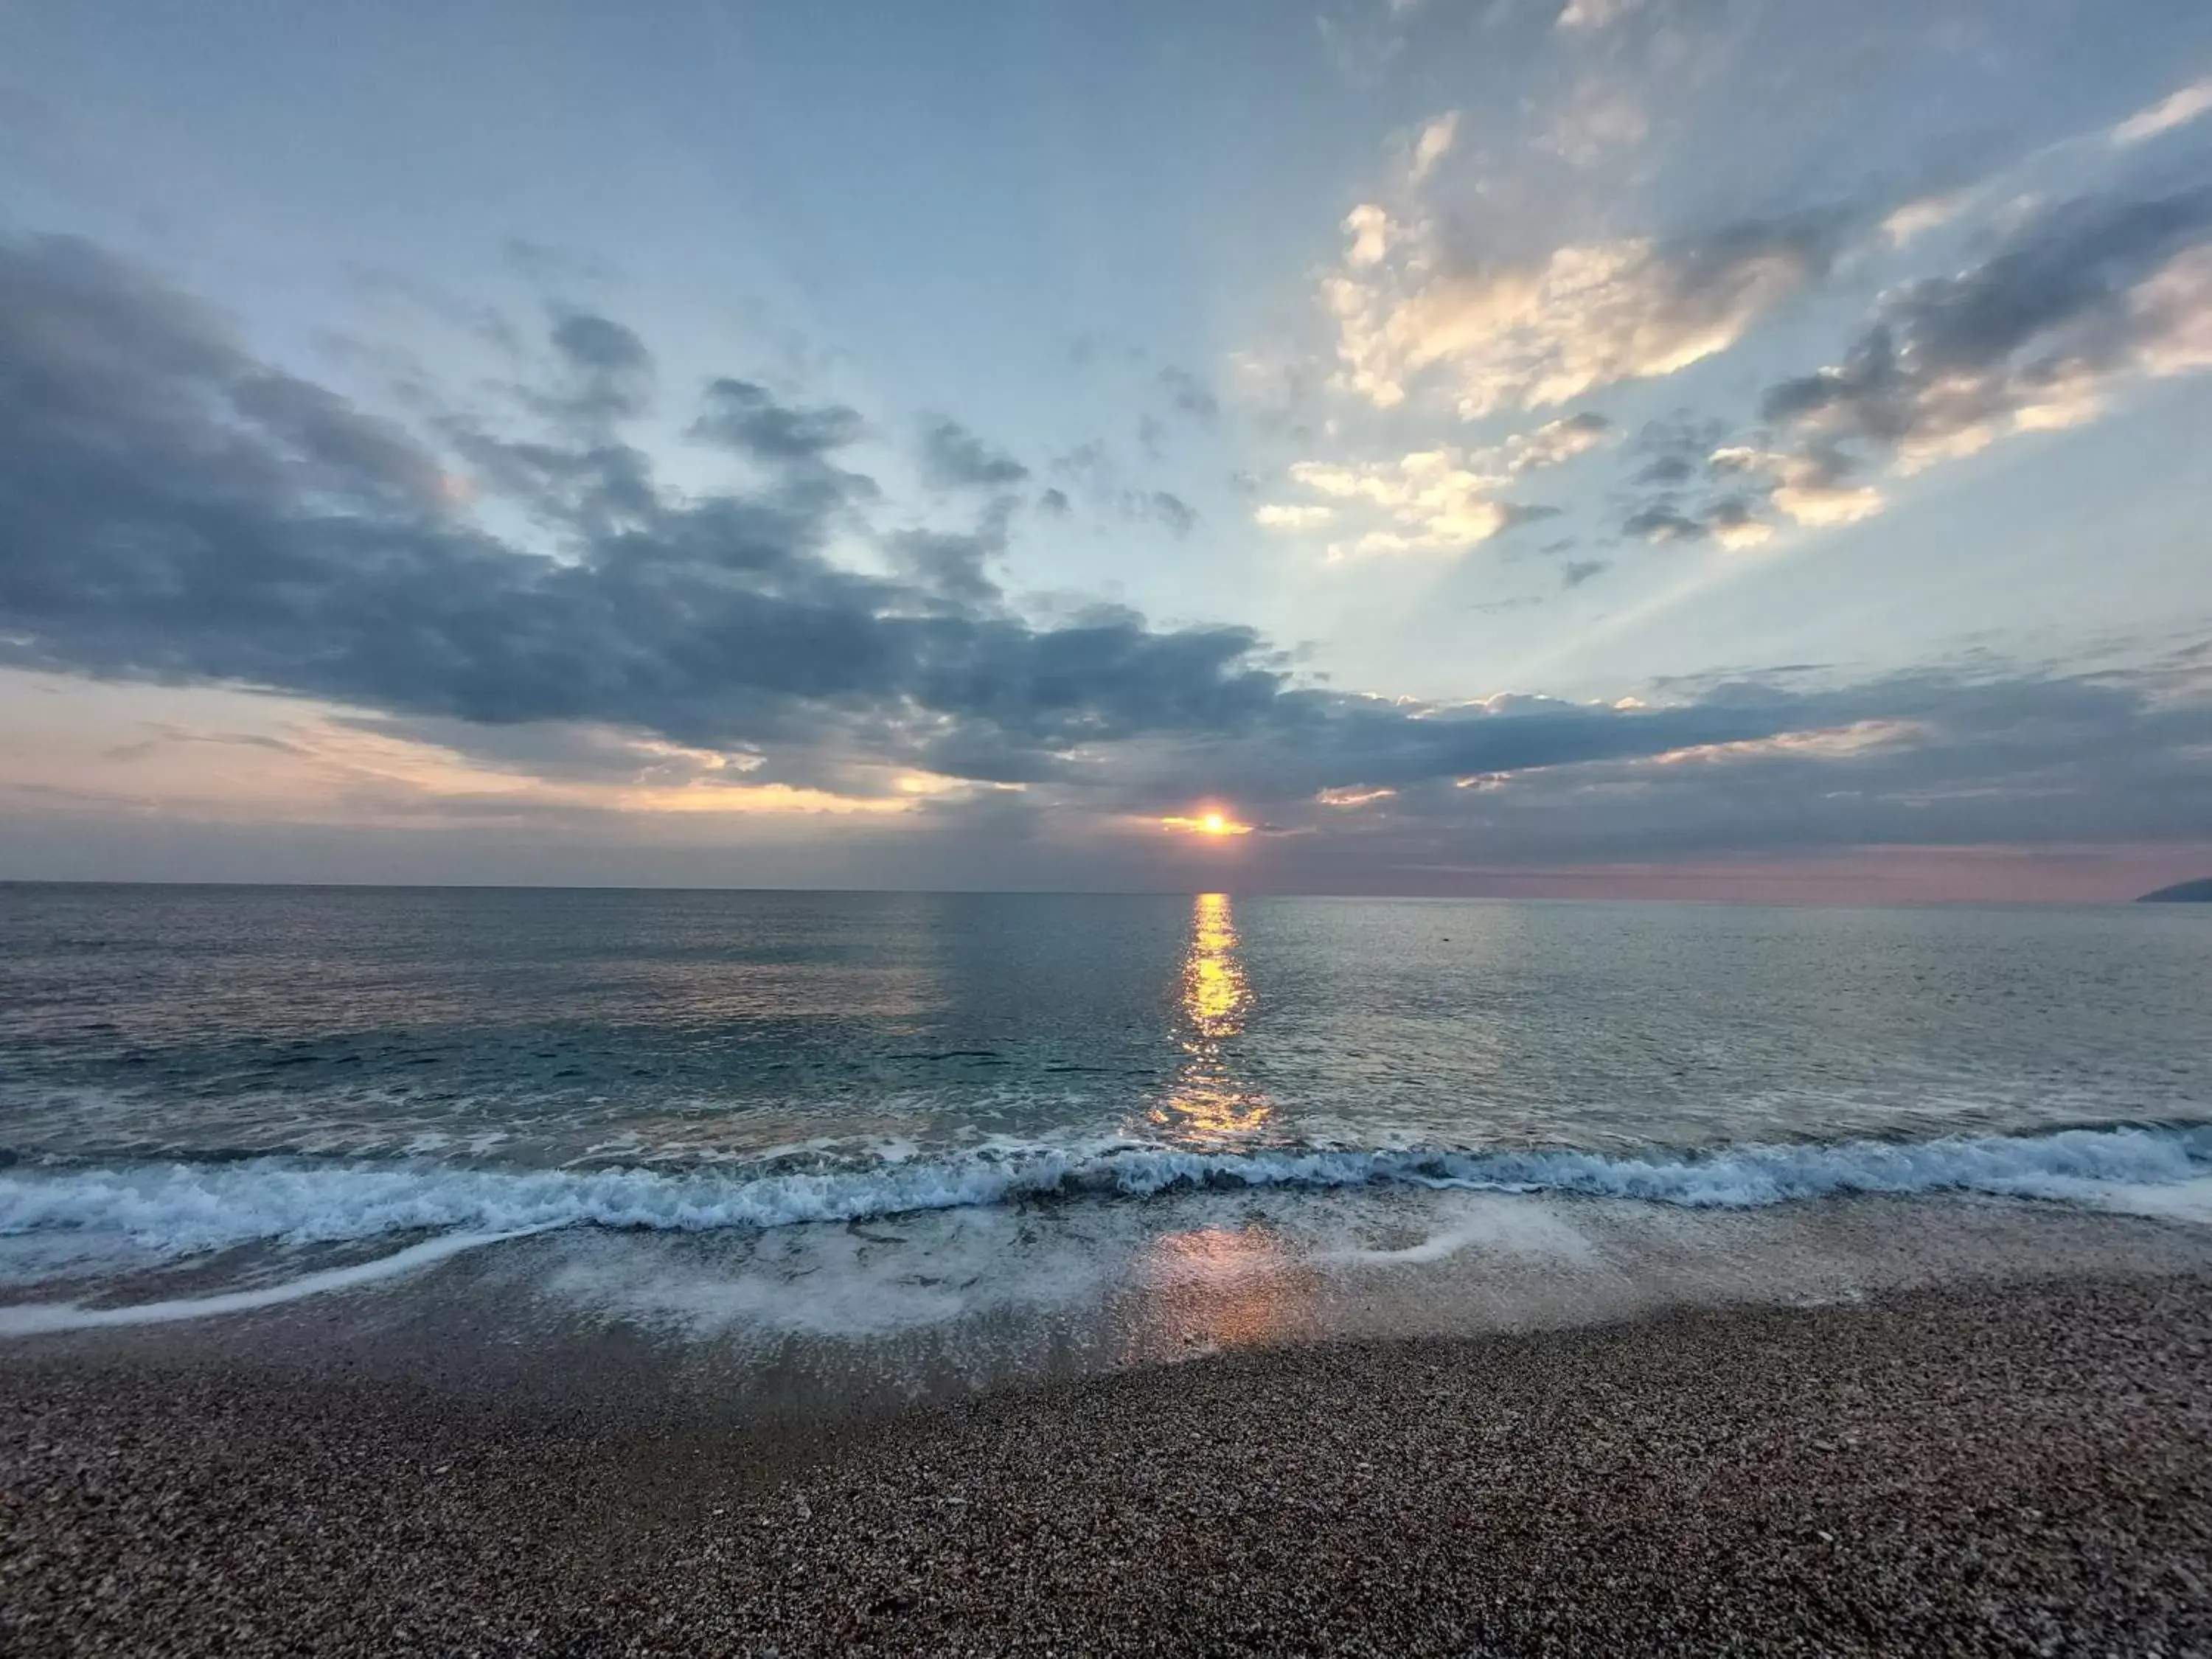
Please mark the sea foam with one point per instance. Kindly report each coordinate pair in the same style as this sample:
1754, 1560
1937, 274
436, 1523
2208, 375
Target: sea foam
181, 1208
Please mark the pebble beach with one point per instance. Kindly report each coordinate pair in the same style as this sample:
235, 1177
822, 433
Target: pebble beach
2016, 1469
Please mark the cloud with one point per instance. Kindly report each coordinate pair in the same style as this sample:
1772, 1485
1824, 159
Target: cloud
1731, 523
1811, 486
1933, 757
1697, 485
1093, 474
1589, 16
1172, 511
1433, 146
1575, 572
600, 346
373, 769
953, 457
1353, 797
1728, 521
2177, 109
1188, 394
1275, 515
1926, 758
1368, 227
1428, 502
175, 511
1435, 501
1661, 524
1677, 447
1598, 119
2074, 304
172, 509
949, 564
1556, 442
613, 370
1915, 219
745, 417
1586, 315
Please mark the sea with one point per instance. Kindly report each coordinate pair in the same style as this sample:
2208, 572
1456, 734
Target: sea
1020, 1135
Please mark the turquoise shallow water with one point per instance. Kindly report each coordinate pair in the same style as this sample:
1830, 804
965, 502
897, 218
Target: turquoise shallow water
190, 1071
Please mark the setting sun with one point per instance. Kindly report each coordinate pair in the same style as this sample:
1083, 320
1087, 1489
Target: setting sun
1211, 821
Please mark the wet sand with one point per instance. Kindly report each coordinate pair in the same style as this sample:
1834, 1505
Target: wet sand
2018, 1469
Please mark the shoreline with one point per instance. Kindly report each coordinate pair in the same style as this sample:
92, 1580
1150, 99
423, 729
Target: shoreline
1974, 1469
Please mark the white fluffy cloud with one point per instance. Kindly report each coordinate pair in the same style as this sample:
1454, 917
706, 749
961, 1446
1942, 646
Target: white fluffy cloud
1433, 145
1916, 218
1537, 335
2177, 109
1429, 501
1276, 516
1433, 500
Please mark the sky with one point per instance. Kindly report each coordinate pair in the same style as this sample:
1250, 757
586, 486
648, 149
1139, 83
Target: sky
1587, 448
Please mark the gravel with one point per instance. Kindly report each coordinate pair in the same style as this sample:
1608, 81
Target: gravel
2022, 1470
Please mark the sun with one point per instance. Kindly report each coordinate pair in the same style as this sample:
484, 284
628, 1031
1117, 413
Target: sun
1212, 821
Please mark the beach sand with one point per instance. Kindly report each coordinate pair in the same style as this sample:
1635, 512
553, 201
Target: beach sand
2022, 1469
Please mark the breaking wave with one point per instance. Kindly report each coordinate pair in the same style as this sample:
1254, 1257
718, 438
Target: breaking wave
182, 1208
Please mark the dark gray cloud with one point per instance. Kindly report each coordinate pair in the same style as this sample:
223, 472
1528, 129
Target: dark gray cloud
171, 509
1172, 511
954, 458
1729, 513
1674, 447
1575, 572
1934, 758
748, 418
1923, 759
1093, 475
165, 735
2053, 300
2069, 303
1660, 522
1189, 395
612, 370
2080, 293
600, 346
1669, 460
949, 564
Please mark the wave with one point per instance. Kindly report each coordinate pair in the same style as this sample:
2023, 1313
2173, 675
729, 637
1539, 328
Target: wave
46, 1318
180, 1209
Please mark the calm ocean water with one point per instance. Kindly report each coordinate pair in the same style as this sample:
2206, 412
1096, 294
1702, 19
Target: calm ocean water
185, 1072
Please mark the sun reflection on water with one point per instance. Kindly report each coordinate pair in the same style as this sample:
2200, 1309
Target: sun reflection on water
1210, 1287
1208, 1103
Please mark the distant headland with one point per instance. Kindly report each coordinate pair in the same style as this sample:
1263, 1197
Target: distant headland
2182, 892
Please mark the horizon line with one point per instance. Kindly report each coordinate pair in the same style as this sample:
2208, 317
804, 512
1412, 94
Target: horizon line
1886, 904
